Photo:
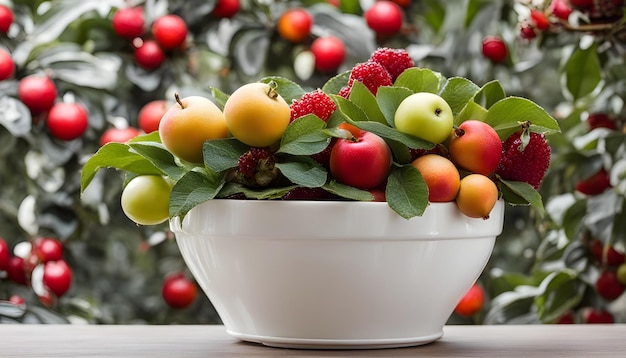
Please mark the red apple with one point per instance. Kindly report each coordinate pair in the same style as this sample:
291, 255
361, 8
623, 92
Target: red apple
37, 92
118, 135
362, 159
67, 121
329, 53
150, 115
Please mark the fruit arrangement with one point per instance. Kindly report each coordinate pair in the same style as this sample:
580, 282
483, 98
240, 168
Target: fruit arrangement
386, 130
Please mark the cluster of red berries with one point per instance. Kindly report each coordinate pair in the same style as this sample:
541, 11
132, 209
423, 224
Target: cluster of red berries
38, 263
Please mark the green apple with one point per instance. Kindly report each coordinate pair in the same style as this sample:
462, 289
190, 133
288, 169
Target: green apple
621, 273
425, 115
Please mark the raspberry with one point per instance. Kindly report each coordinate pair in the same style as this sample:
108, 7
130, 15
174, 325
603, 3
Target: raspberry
344, 92
304, 193
256, 167
371, 74
316, 102
395, 61
528, 164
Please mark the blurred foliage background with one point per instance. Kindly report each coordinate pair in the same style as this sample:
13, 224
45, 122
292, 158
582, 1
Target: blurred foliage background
566, 55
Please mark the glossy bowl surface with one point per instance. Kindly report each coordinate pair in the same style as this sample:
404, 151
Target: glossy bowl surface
320, 274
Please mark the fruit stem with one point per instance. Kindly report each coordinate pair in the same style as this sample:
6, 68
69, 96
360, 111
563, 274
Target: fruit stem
180, 103
271, 92
458, 131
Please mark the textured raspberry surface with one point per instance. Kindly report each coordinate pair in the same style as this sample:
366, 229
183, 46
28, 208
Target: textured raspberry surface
315, 102
528, 165
249, 160
371, 74
395, 61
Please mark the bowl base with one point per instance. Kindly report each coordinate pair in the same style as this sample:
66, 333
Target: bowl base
303, 343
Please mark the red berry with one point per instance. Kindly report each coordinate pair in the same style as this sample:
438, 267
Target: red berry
527, 31
294, 25
149, 55
118, 135
527, 164
169, 31
38, 93
384, 18
614, 257
17, 300
472, 302
225, 9
128, 22
540, 20
395, 61
344, 92
7, 67
581, 3
371, 74
57, 277
150, 115
561, 9
315, 102
566, 318
48, 249
495, 49
5, 255
178, 291
595, 184
16, 270
597, 316
256, 167
329, 53
6, 18
608, 286
67, 121
601, 120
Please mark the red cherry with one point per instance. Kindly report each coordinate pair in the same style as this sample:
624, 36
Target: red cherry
595, 184
6, 18
5, 255
472, 302
384, 18
16, 270
128, 22
594, 316
540, 19
149, 55
57, 277
329, 53
169, 31
150, 115
561, 9
118, 135
294, 25
608, 286
67, 121
38, 93
179, 291
48, 249
495, 49
225, 9
7, 67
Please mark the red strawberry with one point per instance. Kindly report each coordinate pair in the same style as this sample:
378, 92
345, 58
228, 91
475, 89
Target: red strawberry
595, 184
371, 74
395, 61
524, 163
316, 102
256, 167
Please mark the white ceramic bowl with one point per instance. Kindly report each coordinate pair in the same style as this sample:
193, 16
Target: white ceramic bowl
319, 274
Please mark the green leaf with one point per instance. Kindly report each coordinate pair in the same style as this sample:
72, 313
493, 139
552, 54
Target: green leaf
419, 80
389, 98
573, 218
458, 91
304, 136
160, 157
222, 154
349, 109
362, 97
219, 96
406, 191
490, 93
348, 192
583, 71
472, 111
335, 84
118, 156
561, 291
521, 193
287, 89
259, 194
506, 116
302, 171
192, 189
389, 133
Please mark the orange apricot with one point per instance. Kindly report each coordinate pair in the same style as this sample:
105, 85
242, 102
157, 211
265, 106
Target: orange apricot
441, 177
477, 196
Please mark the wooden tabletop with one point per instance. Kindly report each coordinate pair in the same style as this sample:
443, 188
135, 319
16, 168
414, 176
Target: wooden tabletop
213, 341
